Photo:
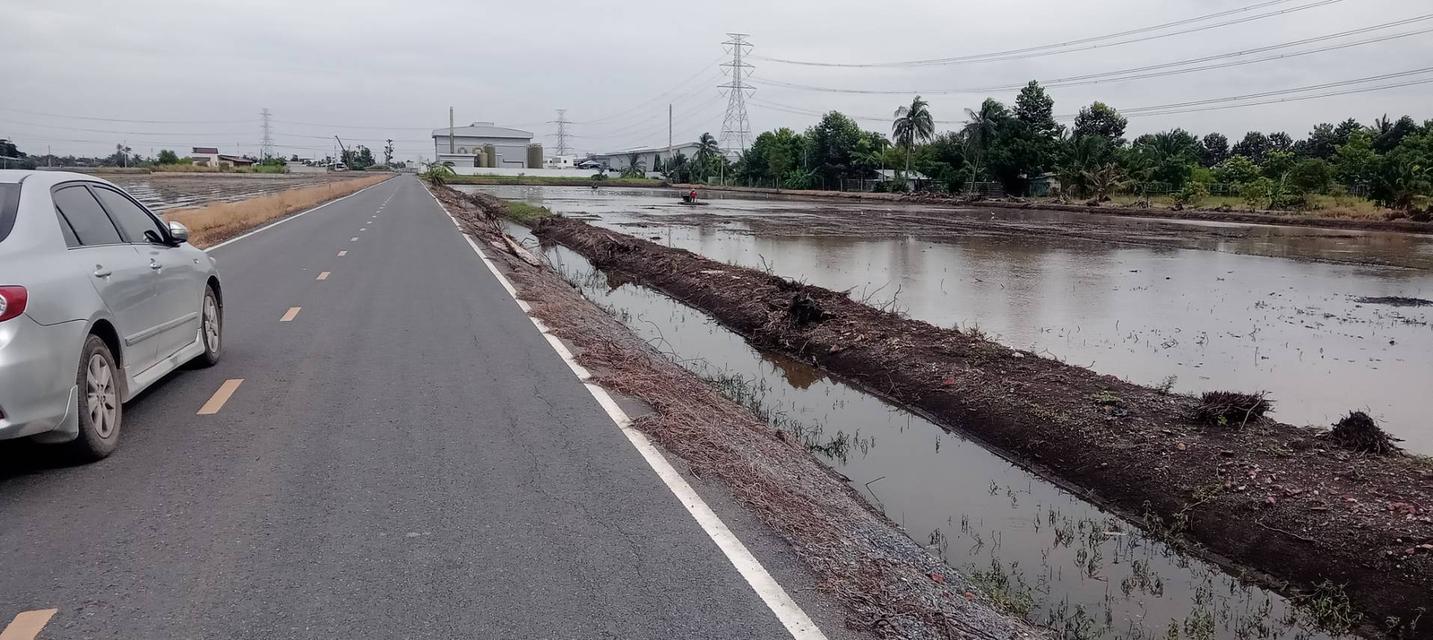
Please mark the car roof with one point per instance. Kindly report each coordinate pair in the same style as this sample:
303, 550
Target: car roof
46, 179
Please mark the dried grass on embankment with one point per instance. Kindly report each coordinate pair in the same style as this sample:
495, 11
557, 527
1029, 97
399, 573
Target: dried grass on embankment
889, 584
1270, 496
217, 222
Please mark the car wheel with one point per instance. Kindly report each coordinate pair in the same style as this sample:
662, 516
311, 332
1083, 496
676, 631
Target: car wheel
100, 410
211, 329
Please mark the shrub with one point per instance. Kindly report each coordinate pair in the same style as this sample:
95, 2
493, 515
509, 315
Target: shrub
1236, 170
1192, 195
1258, 193
1358, 432
1231, 409
1310, 175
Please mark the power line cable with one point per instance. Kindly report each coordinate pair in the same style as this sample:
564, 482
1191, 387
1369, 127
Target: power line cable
1070, 45
1345, 92
646, 121
1197, 105
72, 117
705, 69
1156, 70
1264, 94
642, 119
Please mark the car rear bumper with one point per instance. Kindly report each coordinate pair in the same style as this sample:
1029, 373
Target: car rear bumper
37, 375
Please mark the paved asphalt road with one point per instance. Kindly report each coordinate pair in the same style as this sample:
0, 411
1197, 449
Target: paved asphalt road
406, 458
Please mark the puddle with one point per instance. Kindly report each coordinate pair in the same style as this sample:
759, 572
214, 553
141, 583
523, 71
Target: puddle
1040, 550
1199, 310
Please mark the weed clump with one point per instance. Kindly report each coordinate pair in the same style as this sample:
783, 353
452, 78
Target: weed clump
1231, 409
804, 311
1358, 432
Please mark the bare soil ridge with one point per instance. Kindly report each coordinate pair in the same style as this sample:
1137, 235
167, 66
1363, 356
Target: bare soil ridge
890, 585
1280, 499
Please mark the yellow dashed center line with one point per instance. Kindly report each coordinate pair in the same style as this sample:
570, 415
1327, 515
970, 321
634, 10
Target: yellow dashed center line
290, 314
216, 401
27, 624
322, 276
342, 254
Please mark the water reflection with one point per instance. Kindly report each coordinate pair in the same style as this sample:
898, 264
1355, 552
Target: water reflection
1037, 549
1197, 309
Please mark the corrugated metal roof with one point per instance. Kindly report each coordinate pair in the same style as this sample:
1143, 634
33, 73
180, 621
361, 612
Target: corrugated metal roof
659, 149
483, 130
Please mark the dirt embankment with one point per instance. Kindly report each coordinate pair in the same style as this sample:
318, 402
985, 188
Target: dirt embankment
1210, 215
889, 584
1269, 496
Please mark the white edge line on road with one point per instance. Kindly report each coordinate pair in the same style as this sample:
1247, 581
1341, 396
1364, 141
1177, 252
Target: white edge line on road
797, 623
291, 217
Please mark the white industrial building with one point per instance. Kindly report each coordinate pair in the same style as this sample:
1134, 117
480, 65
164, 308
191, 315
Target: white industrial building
464, 146
618, 160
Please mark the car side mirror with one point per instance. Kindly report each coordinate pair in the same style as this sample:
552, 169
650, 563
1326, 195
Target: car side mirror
178, 232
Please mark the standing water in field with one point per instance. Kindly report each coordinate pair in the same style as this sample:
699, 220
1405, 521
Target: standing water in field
1197, 306
1038, 550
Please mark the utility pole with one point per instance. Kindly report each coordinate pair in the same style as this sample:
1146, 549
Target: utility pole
735, 128
450, 131
561, 123
669, 133
266, 147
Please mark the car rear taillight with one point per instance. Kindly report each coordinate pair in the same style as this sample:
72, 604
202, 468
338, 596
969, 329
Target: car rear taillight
12, 302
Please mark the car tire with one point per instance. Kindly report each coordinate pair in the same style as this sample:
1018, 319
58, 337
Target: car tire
101, 413
211, 316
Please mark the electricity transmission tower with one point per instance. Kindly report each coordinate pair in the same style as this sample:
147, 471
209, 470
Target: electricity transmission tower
735, 128
561, 123
266, 146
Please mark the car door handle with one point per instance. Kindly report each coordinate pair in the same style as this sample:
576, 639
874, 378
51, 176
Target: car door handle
155, 265
101, 272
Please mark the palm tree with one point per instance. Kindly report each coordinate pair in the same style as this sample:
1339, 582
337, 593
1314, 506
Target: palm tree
981, 127
1103, 181
912, 124
636, 167
707, 151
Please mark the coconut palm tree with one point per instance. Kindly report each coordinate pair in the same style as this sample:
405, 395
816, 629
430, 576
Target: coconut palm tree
636, 167
912, 124
707, 151
981, 127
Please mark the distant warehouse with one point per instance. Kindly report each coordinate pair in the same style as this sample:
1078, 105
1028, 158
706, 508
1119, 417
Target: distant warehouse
647, 157
482, 144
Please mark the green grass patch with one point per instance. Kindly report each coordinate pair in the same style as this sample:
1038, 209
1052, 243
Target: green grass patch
1320, 206
525, 213
555, 181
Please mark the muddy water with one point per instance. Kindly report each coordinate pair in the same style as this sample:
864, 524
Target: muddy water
1187, 304
1036, 548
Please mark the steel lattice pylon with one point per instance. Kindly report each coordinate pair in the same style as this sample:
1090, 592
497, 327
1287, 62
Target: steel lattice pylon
735, 128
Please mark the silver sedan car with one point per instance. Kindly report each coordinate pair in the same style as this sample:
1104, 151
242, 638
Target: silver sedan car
99, 298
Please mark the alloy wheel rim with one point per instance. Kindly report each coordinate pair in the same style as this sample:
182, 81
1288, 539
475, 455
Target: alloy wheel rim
211, 324
100, 398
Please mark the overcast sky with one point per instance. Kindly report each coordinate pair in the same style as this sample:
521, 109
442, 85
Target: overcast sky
80, 75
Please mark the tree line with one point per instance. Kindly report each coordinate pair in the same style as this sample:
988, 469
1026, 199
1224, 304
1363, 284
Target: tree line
359, 157
1390, 161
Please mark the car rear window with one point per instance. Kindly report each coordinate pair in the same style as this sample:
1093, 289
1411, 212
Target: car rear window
9, 205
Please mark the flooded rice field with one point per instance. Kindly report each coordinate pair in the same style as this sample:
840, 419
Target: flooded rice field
1325, 321
1040, 551
163, 192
